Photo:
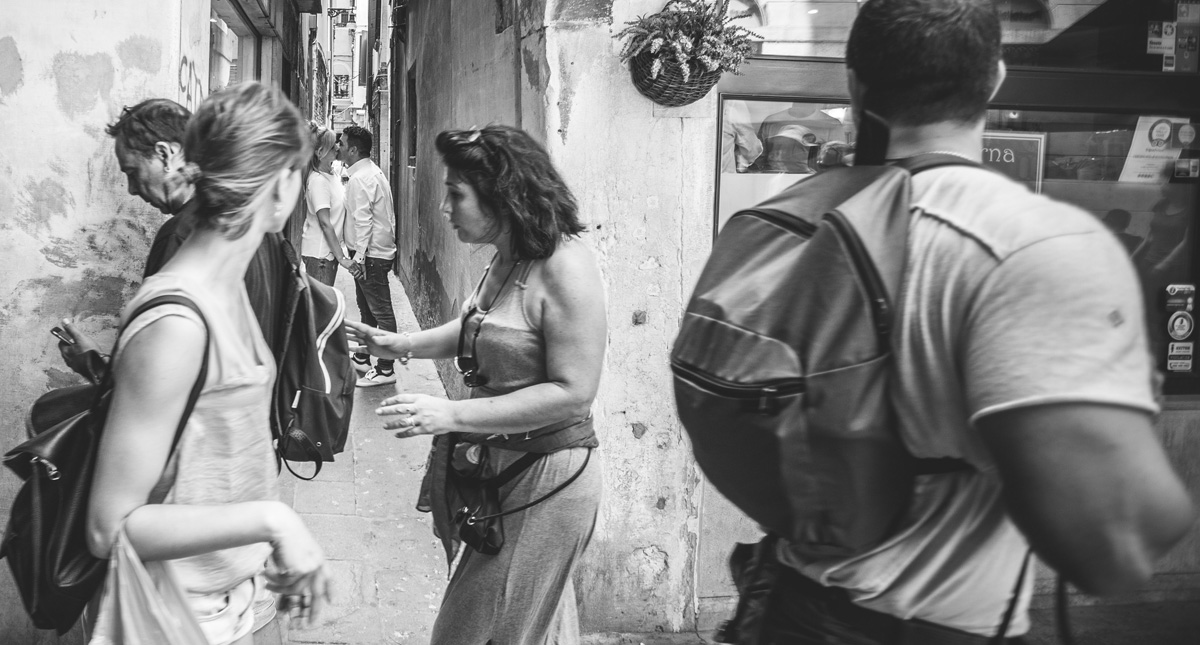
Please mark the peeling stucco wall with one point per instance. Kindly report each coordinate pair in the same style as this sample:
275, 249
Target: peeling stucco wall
650, 206
73, 241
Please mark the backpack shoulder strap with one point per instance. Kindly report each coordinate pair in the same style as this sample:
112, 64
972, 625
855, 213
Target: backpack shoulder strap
203, 375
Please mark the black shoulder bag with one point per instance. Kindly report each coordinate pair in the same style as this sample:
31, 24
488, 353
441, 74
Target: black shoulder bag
479, 515
46, 538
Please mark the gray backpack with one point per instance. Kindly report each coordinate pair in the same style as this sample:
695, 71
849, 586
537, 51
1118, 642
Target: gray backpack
783, 361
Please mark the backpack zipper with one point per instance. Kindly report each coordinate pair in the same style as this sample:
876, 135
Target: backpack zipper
881, 309
796, 225
764, 393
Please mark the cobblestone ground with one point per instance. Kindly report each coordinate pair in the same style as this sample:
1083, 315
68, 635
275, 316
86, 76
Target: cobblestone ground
388, 570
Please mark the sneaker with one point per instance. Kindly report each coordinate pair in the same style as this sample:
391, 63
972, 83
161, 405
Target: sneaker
362, 363
374, 377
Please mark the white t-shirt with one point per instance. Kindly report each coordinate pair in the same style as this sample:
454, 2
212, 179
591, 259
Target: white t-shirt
324, 191
1011, 300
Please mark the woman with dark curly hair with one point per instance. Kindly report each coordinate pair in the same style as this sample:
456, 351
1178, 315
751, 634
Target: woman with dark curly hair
530, 345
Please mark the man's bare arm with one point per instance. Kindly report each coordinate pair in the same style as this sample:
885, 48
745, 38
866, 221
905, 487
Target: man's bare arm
1091, 488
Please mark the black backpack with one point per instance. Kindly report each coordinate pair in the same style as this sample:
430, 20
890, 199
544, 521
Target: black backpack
783, 360
314, 390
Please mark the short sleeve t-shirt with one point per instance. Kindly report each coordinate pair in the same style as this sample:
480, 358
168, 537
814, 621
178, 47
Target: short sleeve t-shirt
322, 191
1010, 300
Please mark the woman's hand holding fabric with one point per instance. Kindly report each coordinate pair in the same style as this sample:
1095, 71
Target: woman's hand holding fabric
379, 343
300, 573
417, 414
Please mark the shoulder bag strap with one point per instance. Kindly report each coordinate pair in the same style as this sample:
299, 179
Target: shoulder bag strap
515, 469
1001, 635
201, 378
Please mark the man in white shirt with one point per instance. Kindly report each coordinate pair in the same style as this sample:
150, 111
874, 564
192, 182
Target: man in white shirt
369, 206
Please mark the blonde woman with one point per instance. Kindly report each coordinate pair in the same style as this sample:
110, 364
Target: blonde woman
325, 214
211, 505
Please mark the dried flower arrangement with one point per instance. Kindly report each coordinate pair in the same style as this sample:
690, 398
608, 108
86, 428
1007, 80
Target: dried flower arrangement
693, 36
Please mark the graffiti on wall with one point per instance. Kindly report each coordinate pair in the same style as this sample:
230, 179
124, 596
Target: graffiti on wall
191, 88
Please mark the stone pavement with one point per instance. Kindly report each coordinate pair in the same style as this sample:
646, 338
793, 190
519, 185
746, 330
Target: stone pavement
388, 570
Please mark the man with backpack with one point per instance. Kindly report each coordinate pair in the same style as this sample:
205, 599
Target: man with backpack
148, 139
1019, 381
301, 326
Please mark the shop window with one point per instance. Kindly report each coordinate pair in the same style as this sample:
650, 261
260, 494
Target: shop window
1138, 174
767, 145
233, 47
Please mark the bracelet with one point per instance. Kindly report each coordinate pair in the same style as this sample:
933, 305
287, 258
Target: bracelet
408, 355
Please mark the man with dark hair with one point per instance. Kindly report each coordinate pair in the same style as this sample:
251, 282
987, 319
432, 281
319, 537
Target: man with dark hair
369, 206
1020, 351
149, 148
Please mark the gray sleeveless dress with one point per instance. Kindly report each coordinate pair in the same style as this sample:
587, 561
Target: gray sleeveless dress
523, 595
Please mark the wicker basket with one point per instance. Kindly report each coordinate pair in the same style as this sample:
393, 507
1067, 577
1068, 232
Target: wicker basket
669, 89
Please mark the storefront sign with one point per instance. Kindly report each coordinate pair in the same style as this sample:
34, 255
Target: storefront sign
1181, 297
1155, 148
1187, 12
1019, 155
1160, 38
1187, 48
1180, 325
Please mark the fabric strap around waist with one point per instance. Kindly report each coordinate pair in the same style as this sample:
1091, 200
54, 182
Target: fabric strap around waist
571, 433
876, 625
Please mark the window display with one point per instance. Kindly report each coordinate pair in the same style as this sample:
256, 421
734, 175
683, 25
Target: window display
1136, 173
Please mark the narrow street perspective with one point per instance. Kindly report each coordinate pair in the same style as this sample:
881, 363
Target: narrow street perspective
600, 322
388, 569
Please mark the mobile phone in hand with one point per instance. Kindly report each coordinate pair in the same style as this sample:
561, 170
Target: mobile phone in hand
62, 335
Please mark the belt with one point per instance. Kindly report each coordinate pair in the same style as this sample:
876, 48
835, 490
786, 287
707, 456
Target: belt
875, 625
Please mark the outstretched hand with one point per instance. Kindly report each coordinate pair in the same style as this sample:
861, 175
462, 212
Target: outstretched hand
379, 343
417, 414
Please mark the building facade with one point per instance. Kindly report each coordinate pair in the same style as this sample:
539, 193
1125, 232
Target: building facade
655, 184
72, 240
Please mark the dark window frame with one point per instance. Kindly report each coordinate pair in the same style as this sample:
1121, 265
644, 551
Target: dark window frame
823, 80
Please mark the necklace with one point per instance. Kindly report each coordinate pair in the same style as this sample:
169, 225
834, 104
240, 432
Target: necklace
468, 365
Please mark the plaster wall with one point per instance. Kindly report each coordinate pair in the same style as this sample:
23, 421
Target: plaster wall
464, 75
72, 240
643, 177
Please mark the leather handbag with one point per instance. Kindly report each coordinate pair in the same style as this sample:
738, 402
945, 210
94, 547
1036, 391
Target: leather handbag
478, 519
46, 538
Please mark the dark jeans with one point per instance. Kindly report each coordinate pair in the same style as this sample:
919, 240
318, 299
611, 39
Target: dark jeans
325, 271
805, 613
375, 301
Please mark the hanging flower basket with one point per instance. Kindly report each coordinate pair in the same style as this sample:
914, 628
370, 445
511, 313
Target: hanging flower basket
675, 56
670, 89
